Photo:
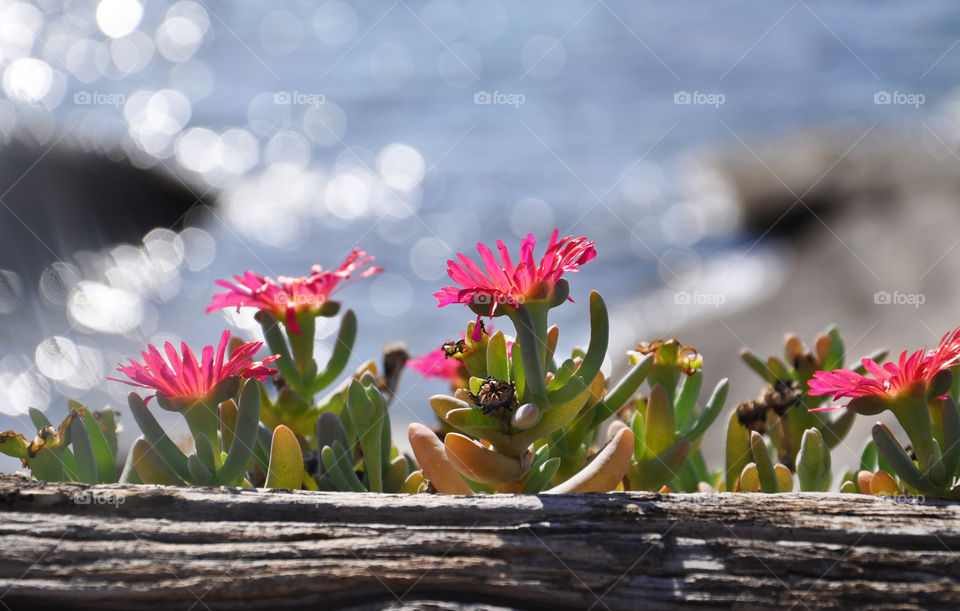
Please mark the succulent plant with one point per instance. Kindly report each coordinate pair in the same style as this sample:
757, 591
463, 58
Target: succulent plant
785, 410
83, 448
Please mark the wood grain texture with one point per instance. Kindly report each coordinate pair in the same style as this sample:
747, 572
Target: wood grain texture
179, 548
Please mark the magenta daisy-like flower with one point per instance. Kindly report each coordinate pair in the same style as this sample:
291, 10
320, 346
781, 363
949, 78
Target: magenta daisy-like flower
505, 283
286, 296
890, 379
183, 380
435, 364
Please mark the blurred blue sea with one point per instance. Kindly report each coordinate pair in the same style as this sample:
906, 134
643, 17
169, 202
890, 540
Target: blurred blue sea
415, 130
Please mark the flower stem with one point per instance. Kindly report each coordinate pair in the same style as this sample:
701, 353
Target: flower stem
302, 345
914, 416
204, 417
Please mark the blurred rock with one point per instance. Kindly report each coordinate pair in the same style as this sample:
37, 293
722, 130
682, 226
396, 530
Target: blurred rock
56, 201
875, 250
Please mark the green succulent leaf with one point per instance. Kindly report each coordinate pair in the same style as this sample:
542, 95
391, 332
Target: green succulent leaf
709, 415
737, 449
660, 427
83, 450
202, 475
151, 468
686, 400
102, 454
813, 462
286, 461
498, 365
342, 349
157, 439
277, 344
653, 473
761, 457
245, 437
596, 352
896, 457
540, 476
39, 419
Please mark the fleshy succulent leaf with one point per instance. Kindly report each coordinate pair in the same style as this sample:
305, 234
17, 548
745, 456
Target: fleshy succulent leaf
152, 468
286, 460
605, 471
709, 414
342, 348
245, 436
737, 449
498, 365
660, 423
596, 352
761, 457
157, 438
83, 450
890, 449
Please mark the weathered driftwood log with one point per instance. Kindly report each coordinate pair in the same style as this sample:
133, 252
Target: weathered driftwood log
129, 546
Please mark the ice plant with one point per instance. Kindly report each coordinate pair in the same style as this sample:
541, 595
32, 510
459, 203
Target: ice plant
501, 283
287, 311
203, 392
786, 408
527, 423
666, 422
889, 380
181, 381
287, 296
83, 448
917, 389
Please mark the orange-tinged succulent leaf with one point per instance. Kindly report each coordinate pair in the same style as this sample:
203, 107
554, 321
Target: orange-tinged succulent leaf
882, 483
432, 458
863, 481
605, 471
479, 463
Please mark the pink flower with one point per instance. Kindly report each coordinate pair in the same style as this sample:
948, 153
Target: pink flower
889, 379
502, 282
287, 296
184, 380
435, 364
